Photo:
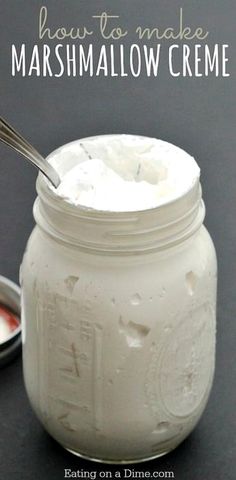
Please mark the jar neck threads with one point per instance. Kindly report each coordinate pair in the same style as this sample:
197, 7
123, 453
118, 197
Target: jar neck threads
119, 232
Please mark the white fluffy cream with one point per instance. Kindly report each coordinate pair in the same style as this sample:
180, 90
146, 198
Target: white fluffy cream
123, 172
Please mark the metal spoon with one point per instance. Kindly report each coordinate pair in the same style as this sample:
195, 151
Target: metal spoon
14, 140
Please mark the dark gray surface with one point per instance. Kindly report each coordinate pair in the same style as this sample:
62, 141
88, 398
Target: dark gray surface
196, 114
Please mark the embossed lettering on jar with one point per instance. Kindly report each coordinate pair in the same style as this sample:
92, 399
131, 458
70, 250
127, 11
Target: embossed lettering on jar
119, 316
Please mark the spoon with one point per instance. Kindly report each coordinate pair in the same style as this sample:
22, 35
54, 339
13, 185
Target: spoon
14, 140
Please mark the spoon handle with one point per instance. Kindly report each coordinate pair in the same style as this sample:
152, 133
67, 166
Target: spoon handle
14, 140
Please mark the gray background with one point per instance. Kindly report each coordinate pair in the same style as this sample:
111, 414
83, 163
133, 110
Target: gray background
196, 114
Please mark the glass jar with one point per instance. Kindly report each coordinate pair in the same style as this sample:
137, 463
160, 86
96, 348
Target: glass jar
119, 315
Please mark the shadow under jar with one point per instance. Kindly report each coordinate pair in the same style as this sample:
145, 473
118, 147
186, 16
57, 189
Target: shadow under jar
119, 325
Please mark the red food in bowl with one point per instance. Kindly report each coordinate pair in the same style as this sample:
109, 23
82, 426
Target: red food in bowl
10, 319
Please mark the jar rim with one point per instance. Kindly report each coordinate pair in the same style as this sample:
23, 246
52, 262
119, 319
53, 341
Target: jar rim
43, 186
116, 232
60, 203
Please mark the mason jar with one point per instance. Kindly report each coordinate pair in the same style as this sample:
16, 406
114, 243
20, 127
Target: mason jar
119, 322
